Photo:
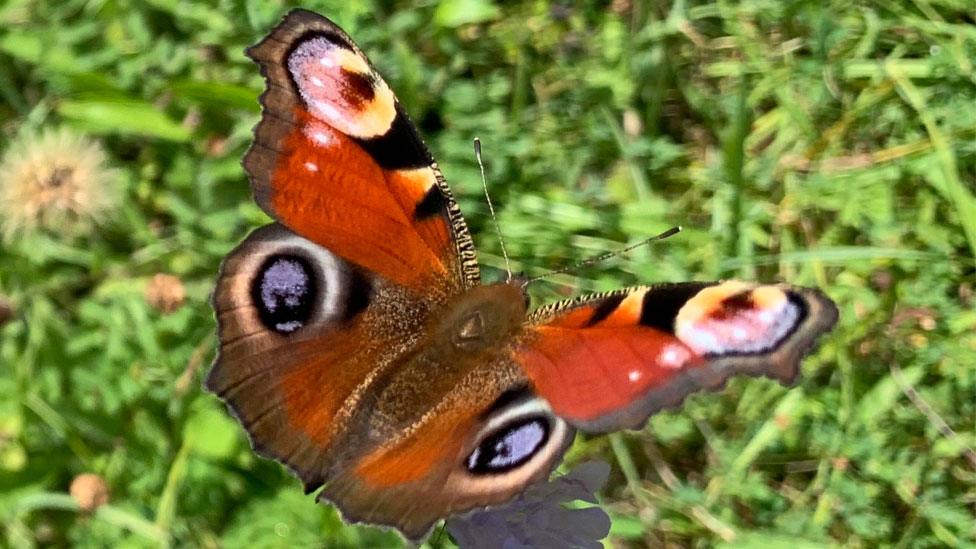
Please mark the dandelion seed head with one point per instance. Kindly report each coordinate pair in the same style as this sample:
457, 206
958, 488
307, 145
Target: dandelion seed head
55, 181
165, 293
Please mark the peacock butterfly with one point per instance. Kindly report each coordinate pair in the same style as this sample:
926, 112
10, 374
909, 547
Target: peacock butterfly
359, 348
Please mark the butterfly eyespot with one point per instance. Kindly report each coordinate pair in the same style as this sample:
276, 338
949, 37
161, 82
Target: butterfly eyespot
509, 447
284, 292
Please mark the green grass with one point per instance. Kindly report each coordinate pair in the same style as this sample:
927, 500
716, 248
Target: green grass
826, 144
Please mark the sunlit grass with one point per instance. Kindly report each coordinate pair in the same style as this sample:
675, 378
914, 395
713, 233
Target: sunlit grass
826, 144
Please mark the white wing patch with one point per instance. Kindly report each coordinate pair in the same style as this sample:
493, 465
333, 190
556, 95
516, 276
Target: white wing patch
736, 317
341, 89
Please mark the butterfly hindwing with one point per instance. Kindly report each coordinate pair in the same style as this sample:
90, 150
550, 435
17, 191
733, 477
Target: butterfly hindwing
295, 345
336, 159
606, 362
457, 460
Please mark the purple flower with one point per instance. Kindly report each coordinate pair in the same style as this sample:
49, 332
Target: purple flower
537, 518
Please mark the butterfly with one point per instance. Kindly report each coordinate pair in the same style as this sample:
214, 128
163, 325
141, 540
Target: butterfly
359, 347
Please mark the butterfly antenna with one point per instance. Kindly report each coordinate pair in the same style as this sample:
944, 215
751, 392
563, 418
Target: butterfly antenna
605, 256
484, 185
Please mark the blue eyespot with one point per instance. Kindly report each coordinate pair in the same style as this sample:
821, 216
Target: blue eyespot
510, 446
284, 293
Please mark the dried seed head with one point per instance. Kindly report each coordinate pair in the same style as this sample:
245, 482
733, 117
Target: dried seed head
621, 7
89, 491
165, 293
56, 181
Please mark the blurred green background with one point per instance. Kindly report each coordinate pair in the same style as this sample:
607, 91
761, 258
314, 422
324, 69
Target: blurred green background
824, 143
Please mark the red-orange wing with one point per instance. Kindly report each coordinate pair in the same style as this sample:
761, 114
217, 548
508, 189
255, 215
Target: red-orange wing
336, 160
607, 362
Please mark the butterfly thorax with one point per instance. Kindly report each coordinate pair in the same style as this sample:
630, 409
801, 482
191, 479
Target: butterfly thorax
467, 344
482, 317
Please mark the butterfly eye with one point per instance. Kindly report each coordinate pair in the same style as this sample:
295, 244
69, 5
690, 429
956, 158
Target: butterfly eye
510, 446
284, 292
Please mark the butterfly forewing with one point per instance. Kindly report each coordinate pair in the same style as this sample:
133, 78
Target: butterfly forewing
336, 159
607, 362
